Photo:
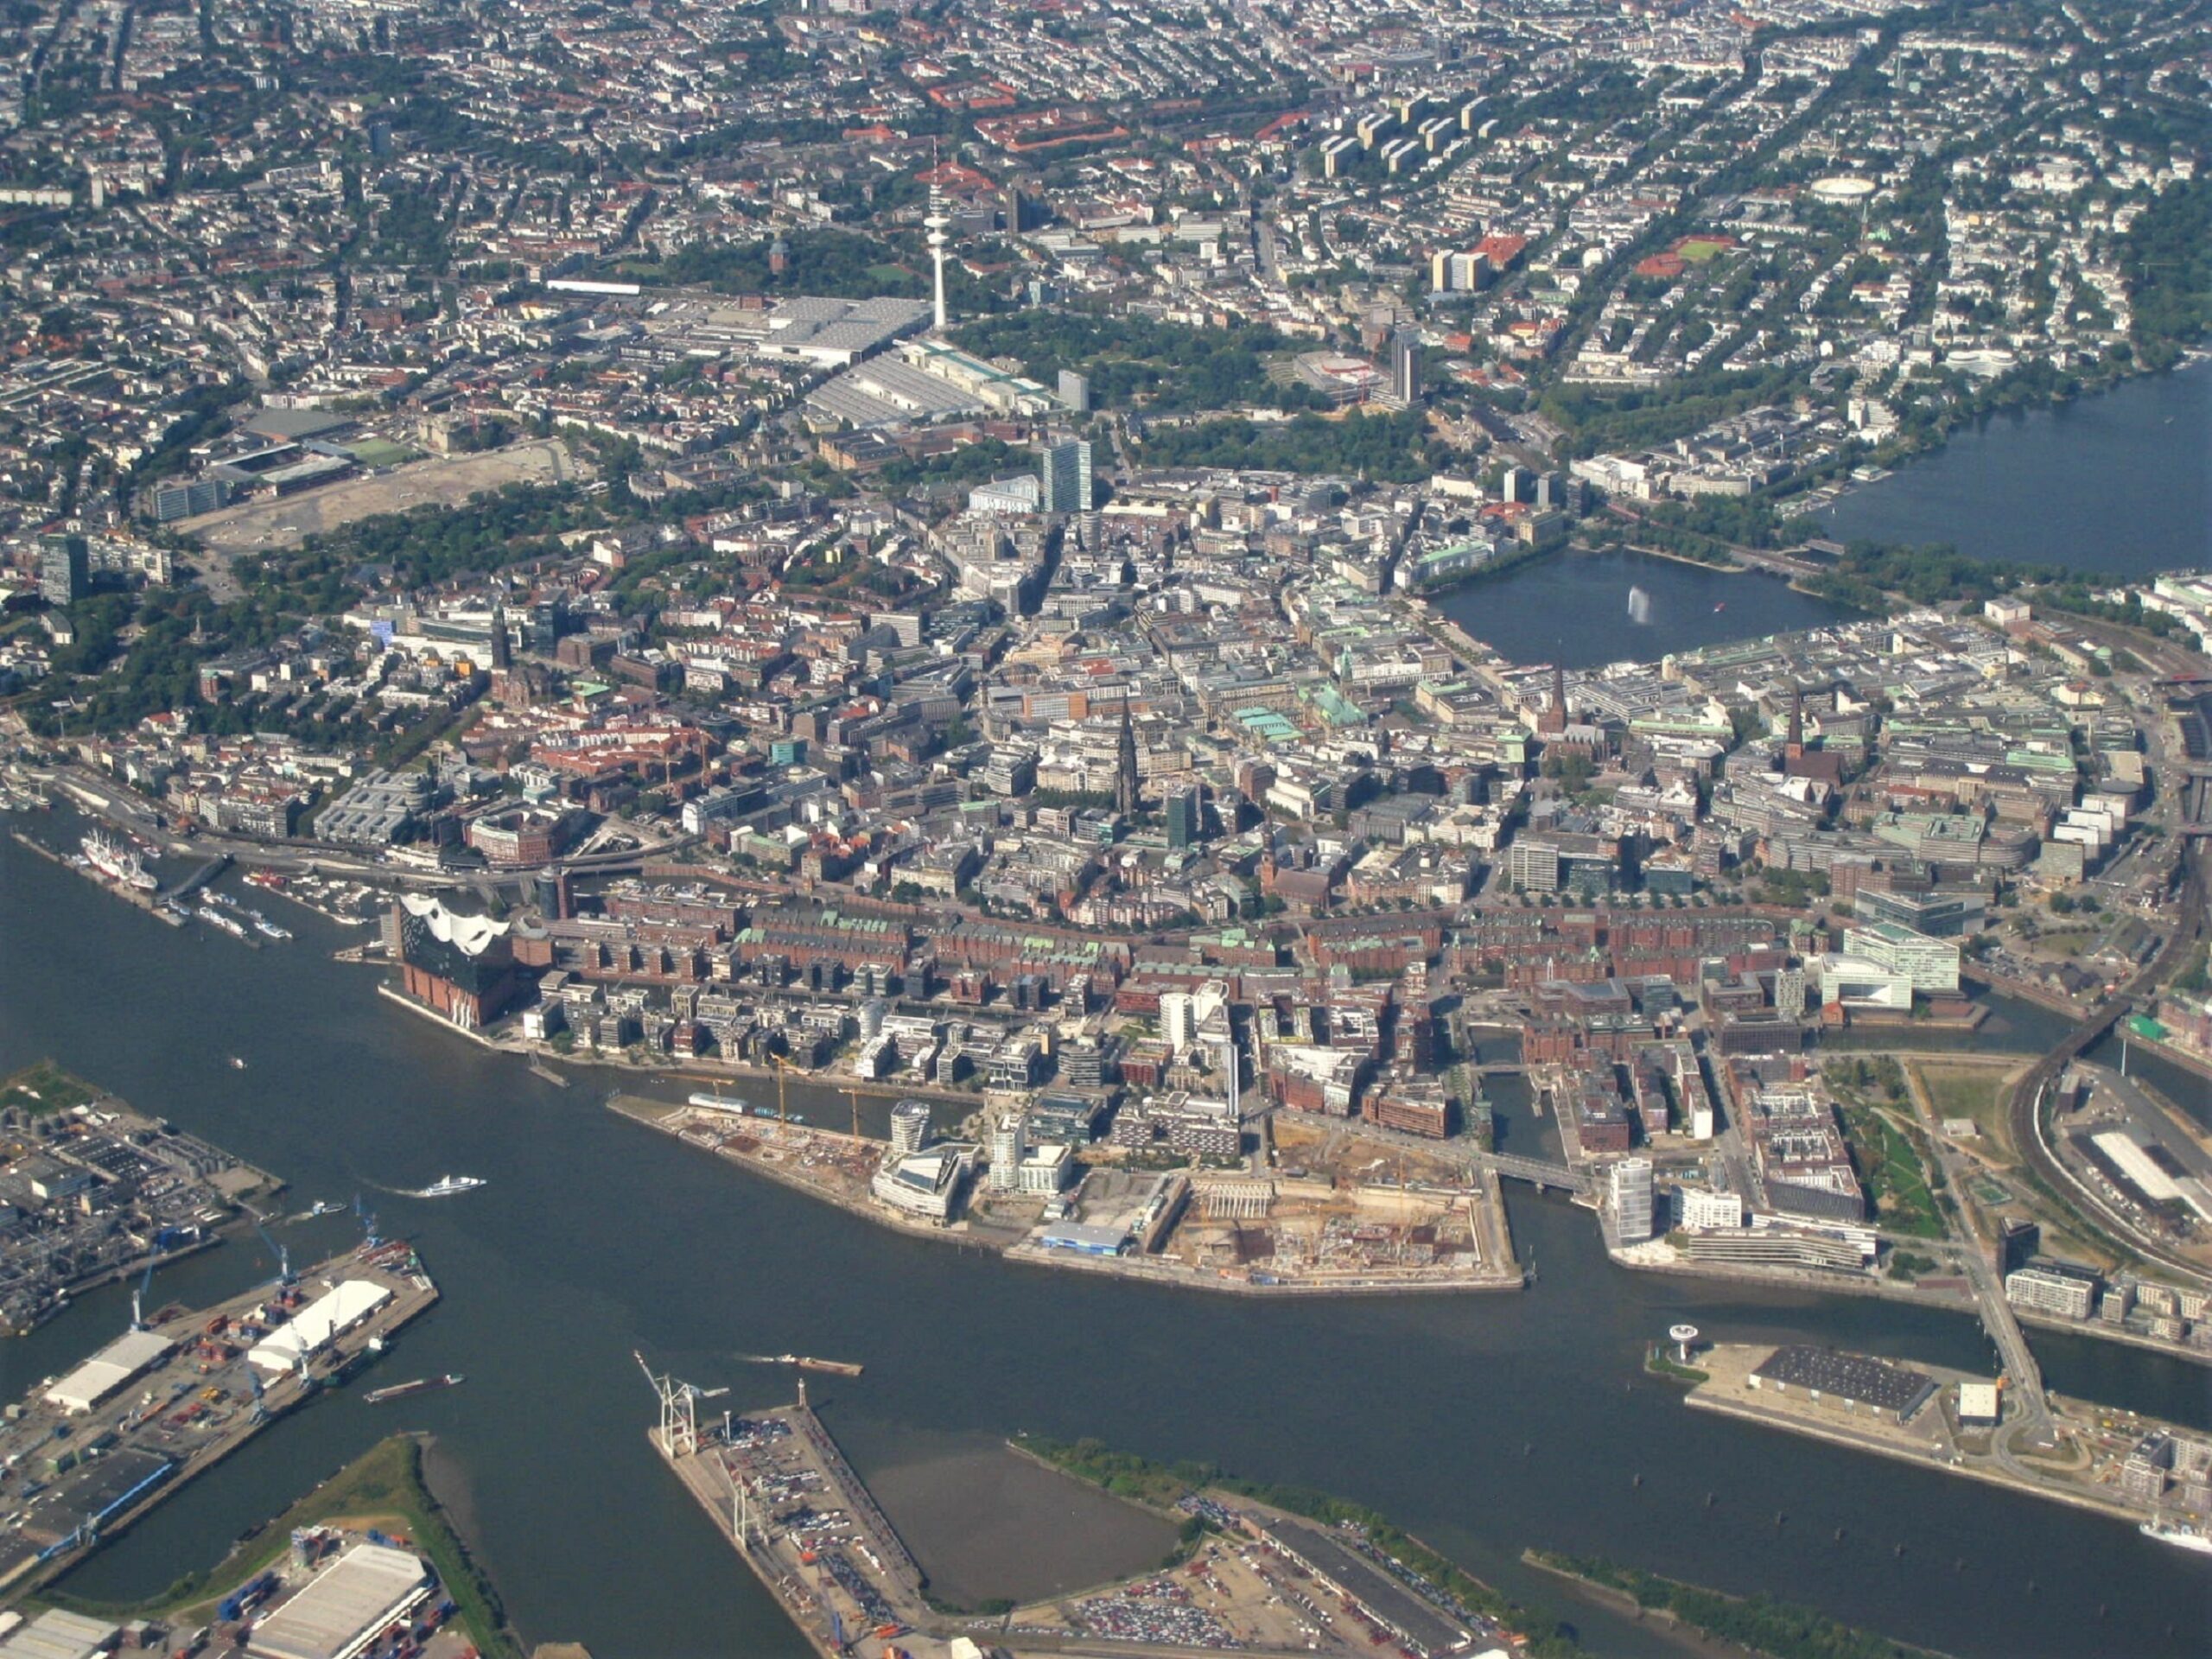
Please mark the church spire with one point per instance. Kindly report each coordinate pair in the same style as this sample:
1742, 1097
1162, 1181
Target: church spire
1553, 721
1125, 766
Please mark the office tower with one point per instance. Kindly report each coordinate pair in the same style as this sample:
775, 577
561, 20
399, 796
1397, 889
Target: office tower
1064, 469
1184, 817
910, 1127
63, 569
1632, 1200
1075, 391
1178, 1021
1405, 366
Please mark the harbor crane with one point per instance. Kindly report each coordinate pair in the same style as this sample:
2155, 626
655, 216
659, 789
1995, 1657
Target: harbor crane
368, 1220
679, 1408
283, 1256
138, 1298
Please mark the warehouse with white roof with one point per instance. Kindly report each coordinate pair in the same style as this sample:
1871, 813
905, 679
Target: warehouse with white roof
315, 1327
109, 1370
344, 1607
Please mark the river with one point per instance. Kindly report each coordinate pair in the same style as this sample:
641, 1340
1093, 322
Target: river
1486, 1423
2115, 485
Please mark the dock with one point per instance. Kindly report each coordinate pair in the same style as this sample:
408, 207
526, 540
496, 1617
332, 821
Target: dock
779, 1489
2082, 1468
1268, 1581
98, 1449
145, 901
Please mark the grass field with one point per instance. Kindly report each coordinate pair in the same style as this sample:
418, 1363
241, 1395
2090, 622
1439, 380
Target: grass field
380, 452
45, 1088
1972, 1091
383, 1489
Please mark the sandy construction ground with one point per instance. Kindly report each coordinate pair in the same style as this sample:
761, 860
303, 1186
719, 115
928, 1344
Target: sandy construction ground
268, 526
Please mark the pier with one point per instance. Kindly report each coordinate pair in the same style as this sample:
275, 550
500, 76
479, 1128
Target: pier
145, 901
780, 1489
200, 877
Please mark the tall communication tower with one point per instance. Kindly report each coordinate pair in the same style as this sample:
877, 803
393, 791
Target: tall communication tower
935, 224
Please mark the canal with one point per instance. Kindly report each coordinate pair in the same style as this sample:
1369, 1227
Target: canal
1486, 1423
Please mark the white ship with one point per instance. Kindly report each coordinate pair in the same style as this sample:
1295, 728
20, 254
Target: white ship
719, 1102
2181, 1537
446, 1186
117, 861
267, 929
215, 918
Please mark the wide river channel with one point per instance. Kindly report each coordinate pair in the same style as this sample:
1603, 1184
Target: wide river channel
1483, 1422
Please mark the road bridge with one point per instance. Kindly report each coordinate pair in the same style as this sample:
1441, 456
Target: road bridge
1535, 1170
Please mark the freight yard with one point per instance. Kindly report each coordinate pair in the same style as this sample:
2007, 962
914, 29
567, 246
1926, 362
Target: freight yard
84, 1454
92, 1191
1341, 1212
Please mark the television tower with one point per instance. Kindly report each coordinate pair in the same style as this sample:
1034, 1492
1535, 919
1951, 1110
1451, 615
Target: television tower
935, 223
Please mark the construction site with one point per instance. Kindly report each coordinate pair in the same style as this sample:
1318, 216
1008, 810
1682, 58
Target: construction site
1335, 1211
1338, 1209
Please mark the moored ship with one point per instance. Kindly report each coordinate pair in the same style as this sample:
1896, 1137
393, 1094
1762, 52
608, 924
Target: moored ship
2181, 1537
118, 861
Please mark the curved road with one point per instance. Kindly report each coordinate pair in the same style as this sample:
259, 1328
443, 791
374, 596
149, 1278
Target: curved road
2025, 1111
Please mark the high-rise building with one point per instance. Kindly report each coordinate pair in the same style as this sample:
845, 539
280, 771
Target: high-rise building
1178, 1020
1008, 1141
63, 569
1075, 391
1405, 367
1789, 993
1126, 798
185, 498
1064, 470
1184, 816
2017, 1241
1632, 1200
910, 1127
